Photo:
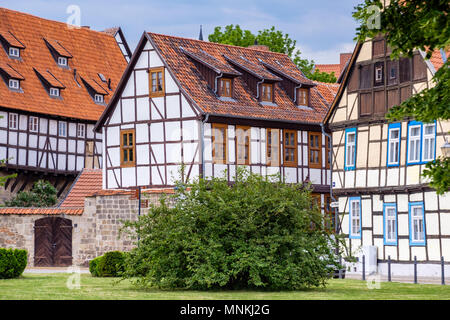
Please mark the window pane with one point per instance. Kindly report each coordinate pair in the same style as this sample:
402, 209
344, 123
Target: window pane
130, 139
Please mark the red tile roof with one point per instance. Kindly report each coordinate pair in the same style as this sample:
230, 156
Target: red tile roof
92, 52
88, 182
329, 68
44, 211
437, 59
244, 105
10, 71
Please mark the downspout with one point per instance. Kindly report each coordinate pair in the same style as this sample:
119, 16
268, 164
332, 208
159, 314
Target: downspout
295, 94
331, 161
257, 88
202, 134
215, 82
336, 214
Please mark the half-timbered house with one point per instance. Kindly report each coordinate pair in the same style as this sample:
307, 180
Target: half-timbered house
209, 108
385, 204
55, 82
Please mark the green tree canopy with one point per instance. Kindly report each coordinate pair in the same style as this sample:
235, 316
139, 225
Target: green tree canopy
276, 40
43, 194
409, 26
258, 233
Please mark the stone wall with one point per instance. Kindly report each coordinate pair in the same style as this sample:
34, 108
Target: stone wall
94, 232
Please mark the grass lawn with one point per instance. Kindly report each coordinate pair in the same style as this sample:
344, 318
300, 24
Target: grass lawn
53, 287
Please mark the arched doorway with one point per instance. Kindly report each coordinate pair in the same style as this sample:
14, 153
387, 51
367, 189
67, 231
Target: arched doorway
52, 242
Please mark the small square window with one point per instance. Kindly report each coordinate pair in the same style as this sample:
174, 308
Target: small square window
98, 98
62, 61
378, 74
14, 52
14, 84
54, 92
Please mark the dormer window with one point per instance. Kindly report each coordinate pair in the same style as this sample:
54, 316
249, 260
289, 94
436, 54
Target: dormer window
303, 97
62, 61
99, 98
14, 52
267, 92
14, 84
54, 92
225, 86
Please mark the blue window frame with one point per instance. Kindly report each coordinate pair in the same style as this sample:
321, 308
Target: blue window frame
421, 142
417, 232
354, 217
394, 145
350, 149
390, 224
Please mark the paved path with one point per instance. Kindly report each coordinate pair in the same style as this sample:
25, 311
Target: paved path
54, 270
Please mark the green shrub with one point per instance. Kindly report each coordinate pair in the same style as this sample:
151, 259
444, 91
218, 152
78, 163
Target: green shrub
12, 262
259, 233
111, 264
93, 266
43, 194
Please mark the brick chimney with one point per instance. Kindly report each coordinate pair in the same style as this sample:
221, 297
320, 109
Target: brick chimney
259, 46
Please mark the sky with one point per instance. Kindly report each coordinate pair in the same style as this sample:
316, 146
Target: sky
321, 28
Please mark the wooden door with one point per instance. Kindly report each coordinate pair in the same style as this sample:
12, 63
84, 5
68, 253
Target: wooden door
62, 239
43, 240
53, 242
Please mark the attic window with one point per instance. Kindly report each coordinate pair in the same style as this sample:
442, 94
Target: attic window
303, 97
14, 84
156, 82
14, 52
54, 92
99, 98
62, 61
225, 87
267, 92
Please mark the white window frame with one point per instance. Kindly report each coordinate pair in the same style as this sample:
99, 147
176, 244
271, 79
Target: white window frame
99, 98
54, 92
355, 218
14, 52
390, 224
431, 138
81, 130
33, 124
14, 84
13, 120
416, 140
394, 147
378, 74
62, 61
350, 151
62, 129
417, 222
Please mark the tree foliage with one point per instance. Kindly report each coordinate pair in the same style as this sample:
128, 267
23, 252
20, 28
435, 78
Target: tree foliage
276, 40
259, 233
43, 194
408, 26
